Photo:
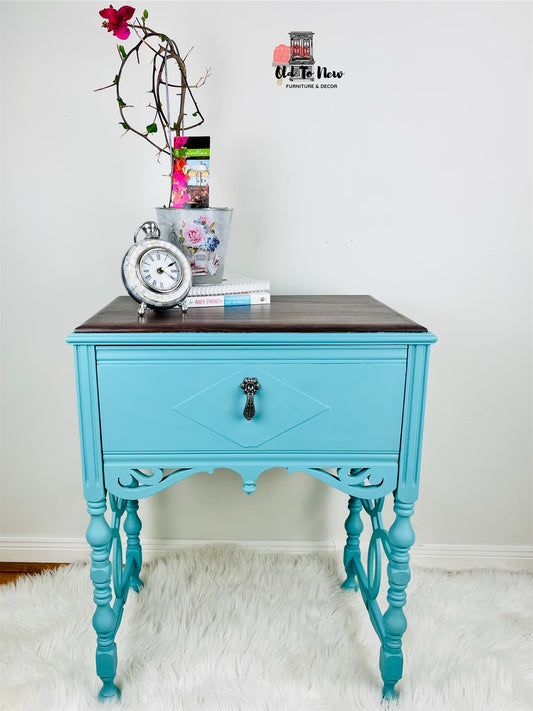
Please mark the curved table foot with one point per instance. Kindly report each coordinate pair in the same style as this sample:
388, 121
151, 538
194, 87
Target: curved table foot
109, 692
389, 693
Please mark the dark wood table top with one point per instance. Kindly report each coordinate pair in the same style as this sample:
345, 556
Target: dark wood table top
344, 314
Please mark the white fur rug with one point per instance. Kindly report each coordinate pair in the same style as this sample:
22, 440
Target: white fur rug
221, 628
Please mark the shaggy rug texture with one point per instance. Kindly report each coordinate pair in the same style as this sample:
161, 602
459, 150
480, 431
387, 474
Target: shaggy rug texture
223, 628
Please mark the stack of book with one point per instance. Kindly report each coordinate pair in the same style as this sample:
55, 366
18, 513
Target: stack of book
232, 291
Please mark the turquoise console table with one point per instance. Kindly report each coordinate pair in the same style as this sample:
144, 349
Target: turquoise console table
333, 386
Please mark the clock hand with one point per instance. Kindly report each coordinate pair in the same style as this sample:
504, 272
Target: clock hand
162, 270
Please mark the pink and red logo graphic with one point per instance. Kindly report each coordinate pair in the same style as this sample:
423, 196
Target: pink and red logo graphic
296, 63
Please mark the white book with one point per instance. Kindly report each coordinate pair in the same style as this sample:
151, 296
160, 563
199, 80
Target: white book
231, 285
256, 297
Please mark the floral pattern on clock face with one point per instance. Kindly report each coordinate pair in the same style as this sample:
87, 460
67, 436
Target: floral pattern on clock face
159, 269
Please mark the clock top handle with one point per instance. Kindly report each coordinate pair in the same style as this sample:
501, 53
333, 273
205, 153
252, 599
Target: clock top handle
150, 230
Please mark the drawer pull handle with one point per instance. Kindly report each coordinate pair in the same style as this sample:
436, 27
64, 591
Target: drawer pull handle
250, 387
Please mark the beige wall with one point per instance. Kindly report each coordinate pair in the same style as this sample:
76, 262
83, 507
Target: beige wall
427, 143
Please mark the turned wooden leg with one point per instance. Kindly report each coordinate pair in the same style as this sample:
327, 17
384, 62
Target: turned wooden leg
401, 538
352, 551
132, 527
104, 618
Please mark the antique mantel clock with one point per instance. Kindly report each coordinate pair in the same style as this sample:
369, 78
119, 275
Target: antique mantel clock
155, 272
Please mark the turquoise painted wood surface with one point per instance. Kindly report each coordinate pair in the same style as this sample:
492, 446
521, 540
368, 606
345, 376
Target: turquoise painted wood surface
342, 383
353, 394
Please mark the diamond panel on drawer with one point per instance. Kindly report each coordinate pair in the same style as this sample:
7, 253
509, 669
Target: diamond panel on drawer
278, 408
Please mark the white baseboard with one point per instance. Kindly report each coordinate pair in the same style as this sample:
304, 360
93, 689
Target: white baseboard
69, 550
462, 557
434, 555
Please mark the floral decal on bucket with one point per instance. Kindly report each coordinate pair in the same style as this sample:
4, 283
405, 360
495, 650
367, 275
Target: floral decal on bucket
198, 239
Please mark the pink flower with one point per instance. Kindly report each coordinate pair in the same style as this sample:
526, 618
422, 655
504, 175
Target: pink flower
194, 235
179, 179
179, 196
117, 20
180, 141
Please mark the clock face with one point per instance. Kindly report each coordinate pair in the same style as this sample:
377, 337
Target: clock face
160, 270
157, 273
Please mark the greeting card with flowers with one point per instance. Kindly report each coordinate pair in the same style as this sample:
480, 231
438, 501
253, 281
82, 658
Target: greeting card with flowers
190, 175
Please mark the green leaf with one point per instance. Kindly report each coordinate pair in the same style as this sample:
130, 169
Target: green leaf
152, 128
115, 79
125, 125
145, 15
163, 38
120, 102
122, 51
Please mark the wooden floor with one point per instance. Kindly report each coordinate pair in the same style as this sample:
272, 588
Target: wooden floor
9, 572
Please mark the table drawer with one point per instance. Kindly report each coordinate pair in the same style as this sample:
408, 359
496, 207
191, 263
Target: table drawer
188, 399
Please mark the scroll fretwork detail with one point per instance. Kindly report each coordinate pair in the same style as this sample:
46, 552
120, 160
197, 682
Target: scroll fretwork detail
368, 482
136, 483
